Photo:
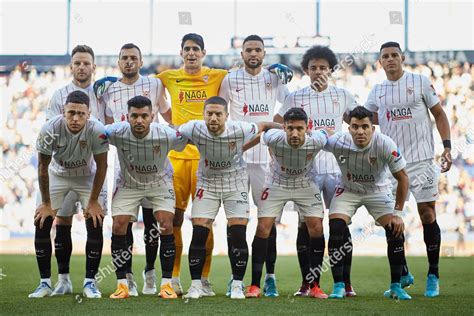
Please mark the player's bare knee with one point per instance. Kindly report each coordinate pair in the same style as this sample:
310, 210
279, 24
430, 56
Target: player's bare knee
120, 224
315, 226
427, 212
263, 229
165, 219
391, 237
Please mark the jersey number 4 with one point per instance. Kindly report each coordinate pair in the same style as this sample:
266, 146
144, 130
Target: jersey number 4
200, 193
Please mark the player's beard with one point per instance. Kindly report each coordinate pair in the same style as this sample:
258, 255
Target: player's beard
253, 66
130, 75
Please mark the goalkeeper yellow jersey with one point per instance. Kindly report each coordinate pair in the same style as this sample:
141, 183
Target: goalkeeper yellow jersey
188, 94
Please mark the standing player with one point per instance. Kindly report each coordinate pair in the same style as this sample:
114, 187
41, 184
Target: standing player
189, 87
143, 148
222, 178
402, 104
78, 149
82, 68
253, 92
364, 157
289, 179
115, 100
326, 107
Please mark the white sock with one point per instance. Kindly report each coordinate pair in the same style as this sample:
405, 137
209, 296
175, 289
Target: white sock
237, 283
122, 281
86, 280
47, 281
165, 281
203, 279
268, 276
64, 276
196, 283
176, 279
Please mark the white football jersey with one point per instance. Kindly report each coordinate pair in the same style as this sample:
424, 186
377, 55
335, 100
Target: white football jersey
366, 170
325, 109
117, 95
253, 99
402, 108
292, 168
144, 161
221, 165
72, 154
57, 102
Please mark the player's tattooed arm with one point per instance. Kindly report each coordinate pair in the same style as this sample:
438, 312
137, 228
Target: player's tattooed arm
94, 209
278, 118
44, 210
442, 124
402, 189
43, 177
265, 126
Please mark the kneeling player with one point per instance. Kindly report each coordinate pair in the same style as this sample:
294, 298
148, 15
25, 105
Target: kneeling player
364, 157
72, 158
222, 179
292, 153
142, 148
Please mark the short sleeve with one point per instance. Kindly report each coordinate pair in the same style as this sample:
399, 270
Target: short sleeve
430, 97
44, 142
395, 160
100, 141
287, 104
224, 90
370, 104
250, 131
351, 102
54, 107
187, 128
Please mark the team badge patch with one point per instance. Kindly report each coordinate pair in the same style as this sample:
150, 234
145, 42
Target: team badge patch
335, 103
268, 85
372, 160
410, 90
232, 146
309, 157
146, 93
83, 143
396, 153
205, 78
156, 149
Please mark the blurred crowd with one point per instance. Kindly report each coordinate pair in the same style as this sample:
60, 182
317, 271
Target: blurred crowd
25, 95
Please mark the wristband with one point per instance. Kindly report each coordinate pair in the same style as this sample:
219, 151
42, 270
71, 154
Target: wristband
447, 143
398, 213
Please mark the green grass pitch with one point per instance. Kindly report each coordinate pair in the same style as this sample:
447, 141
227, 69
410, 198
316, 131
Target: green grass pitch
370, 277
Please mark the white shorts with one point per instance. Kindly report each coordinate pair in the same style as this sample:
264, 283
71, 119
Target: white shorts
116, 165
327, 184
377, 204
256, 173
308, 200
423, 179
206, 204
66, 192
126, 200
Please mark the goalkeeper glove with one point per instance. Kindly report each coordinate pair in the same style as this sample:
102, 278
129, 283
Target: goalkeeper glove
282, 71
101, 86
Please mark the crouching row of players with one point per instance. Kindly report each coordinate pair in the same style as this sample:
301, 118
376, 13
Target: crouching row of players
73, 157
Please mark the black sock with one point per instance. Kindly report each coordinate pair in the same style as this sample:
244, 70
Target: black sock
396, 254
229, 246
302, 248
432, 238
316, 255
405, 267
347, 242
240, 251
120, 252
197, 251
150, 235
271, 251
129, 246
167, 255
259, 253
94, 244
63, 247
43, 247
336, 249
